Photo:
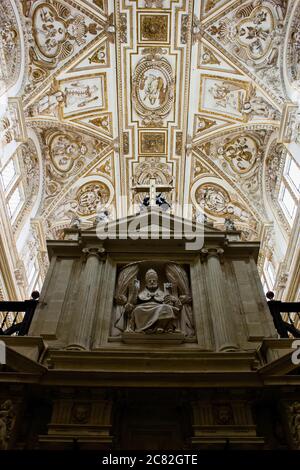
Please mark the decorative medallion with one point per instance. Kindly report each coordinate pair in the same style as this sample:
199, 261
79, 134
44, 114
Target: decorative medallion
56, 30
153, 89
254, 32
65, 149
91, 197
240, 153
212, 199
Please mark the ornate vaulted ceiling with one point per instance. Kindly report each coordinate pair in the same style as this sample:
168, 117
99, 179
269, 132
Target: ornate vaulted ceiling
190, 93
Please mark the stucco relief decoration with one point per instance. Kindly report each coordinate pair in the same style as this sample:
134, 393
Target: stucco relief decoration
153, 89
67, 153
151, 168
213, 199
91, 197
253, 33
10, 49
66, 150
223, 97
216, 201
293, 52
56, 31
153, 300
251, 30
31, 164
240, 152
274, 167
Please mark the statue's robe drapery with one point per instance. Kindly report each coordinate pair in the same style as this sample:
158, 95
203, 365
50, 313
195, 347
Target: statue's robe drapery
126, 277
151, 309
178, 277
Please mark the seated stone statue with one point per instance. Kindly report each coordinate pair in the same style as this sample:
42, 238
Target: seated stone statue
150, 310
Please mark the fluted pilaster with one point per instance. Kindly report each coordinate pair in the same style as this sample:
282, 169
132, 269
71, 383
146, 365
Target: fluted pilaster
224, 329
83, 318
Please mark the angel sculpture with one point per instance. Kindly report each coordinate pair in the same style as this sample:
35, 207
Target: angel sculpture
151, 309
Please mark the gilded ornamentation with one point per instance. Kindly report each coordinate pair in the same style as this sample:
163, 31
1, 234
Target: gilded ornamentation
56, 31
49, 104
185, 30
99, 56
202, 124
209, 58
154, 3
67, 154
178, 144
65, 149
250, 29
240, 152
103, 122
152, 168
210, 4
83, 95
258, 107
153, 89
123, 27
199, 168
91, 197
31, 164
126, 143
152, 142
213, 199
253, 33
154, 28
223, 97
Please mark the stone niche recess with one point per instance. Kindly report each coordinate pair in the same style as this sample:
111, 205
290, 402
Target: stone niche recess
153, 303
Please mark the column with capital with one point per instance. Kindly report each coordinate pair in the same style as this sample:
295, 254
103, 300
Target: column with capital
83, 317
223, 325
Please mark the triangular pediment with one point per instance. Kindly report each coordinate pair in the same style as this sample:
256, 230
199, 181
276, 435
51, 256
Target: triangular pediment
158, 221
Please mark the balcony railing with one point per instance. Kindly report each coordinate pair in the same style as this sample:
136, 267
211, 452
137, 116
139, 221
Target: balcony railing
16, 317
286, 316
